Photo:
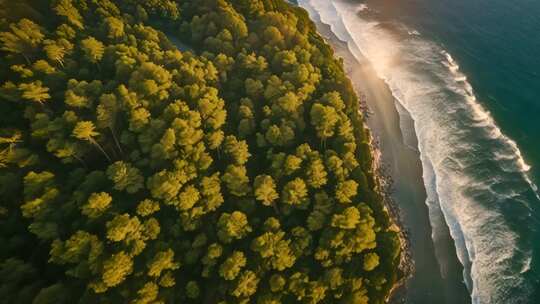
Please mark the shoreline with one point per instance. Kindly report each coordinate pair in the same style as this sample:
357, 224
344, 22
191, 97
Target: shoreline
384, 184
399, 174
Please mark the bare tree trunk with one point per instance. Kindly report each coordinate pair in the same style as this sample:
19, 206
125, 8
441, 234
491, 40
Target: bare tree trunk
81, 161
26, 58
116, 142
101, 149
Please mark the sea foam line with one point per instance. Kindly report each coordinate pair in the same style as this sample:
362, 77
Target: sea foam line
486, 120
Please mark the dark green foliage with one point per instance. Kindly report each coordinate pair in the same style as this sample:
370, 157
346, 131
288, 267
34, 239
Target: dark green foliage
133, 171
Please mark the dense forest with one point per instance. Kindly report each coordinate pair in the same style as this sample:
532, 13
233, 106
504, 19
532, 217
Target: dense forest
191, 151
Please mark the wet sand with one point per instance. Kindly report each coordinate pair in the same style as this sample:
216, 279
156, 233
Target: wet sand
436, 278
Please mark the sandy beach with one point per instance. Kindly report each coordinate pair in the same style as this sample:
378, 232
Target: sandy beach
433, 280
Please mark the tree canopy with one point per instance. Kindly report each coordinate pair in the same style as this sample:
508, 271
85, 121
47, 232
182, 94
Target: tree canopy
183, 152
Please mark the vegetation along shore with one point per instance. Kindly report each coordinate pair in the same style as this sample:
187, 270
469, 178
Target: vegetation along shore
227, 161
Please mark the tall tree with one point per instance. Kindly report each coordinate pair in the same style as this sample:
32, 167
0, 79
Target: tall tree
55, 52
265, 190
92, 49
24, 38
233, 226
85, 130
125, 177
34, 91
67, 9
107, 111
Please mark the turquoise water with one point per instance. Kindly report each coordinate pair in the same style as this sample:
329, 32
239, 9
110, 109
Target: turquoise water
467, 73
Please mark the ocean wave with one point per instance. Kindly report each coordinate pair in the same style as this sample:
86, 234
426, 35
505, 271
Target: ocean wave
406, 125
484, 119
473, 172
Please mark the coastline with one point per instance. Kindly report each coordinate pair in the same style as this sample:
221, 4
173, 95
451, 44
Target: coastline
384, 186
425, 278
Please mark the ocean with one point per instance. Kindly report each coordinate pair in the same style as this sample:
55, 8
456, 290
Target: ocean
468, 75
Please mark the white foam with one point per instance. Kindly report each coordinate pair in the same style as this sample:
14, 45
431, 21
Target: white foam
449, 127
526, 265
483, 116
461, 78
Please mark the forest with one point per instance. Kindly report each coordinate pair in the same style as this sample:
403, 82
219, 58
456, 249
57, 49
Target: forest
192, 151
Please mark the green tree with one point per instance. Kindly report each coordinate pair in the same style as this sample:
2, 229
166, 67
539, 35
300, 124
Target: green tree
232, 265
324, 119
371, 261
139, 118
123, 227
238, 151
273, 36
246, 284
23, 38
232, 226
192, 290
277, 282
39, 192
334, 100
346, 190
316, 220
147, 294
236, 179
295, 192
163, 260
125, 177
92, 49
114, 27
34, 91
55, 53
151, 80
76, 101
188, 197
236, 100
274, 249
81, 249
85, 130
289, 103
115, 271
107, 115
66, 9
348, 219
292, 163
164, 185
214, 139
334, 278
43, 67
265, 189
316, 174
209, 260
97, 204
147, 207
211, 192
